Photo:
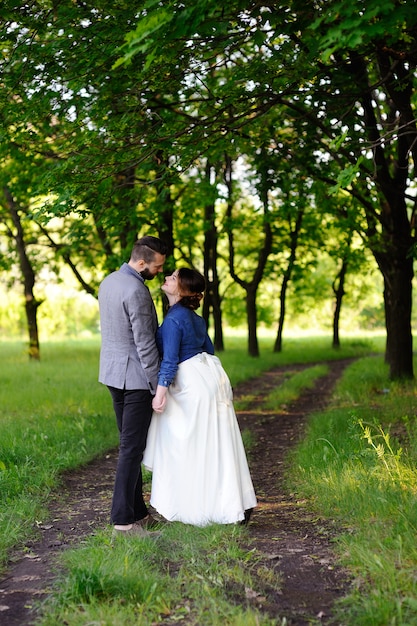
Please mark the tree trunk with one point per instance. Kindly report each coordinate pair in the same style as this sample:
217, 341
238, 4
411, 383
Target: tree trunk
165, 225
212, 300
282, 297
217, 319
31, 307
395, 261
339, 292
264, 250
294, 235
253, 347
28, 274
398, 303
392, 247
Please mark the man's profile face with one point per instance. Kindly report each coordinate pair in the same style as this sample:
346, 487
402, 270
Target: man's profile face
156, 266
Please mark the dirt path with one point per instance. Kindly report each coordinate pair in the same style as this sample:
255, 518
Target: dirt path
297, 573
295, 543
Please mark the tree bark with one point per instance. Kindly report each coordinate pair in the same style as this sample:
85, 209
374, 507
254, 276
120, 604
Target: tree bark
253, 345
339, 292
392, 246
287, 277
398, 305
165, 220
282, 300
212, 300
28, 274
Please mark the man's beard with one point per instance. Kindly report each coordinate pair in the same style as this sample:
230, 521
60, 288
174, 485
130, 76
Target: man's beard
146, 274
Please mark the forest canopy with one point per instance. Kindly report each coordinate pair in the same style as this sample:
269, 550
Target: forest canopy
272, 146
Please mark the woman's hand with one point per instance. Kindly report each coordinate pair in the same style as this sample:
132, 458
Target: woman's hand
160, 399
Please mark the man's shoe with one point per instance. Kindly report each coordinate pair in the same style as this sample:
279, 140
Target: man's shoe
134, 530
149, 522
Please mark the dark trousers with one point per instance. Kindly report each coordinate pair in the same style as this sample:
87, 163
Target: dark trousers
133, 409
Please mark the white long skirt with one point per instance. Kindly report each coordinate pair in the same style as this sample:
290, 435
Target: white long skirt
195, 452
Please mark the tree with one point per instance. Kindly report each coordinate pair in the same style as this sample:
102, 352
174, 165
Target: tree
197, 77
16, 233
264, 247
373, 75
211, 270
346, 73
64, 122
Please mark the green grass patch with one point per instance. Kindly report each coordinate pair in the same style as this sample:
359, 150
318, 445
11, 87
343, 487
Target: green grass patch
292, 388
357, 465
241, 367
54, 416
199, 575
60, 418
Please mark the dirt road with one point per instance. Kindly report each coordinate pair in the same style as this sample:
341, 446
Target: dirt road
293, 544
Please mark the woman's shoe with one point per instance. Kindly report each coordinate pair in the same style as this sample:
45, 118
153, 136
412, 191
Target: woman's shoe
245, 521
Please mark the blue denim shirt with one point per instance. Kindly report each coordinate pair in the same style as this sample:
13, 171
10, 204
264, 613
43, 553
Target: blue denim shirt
182, 335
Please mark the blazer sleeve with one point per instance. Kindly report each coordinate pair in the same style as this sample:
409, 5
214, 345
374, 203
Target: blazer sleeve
144, 323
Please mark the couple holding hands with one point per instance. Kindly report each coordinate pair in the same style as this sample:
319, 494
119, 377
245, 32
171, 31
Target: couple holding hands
172, 400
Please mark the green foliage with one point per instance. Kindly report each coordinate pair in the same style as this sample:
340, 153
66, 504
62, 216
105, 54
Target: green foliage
303, 101
353, 25
171, 23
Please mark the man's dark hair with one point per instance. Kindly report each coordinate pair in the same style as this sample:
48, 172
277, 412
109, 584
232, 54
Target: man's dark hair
146, 247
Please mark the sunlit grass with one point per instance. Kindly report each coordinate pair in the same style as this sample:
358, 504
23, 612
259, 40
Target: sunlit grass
311, 349
64, 418
54, 415
291, 389
354, 469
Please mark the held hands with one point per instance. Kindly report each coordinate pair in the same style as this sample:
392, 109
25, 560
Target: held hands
160, 399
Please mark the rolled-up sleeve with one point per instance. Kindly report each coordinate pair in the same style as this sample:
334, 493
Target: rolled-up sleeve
171, 341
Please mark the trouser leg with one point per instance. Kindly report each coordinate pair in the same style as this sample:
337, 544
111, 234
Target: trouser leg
133, 409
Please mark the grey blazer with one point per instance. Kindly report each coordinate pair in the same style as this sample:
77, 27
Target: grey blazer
129, 358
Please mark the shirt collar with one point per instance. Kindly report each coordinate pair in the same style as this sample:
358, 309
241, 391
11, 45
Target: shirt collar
128, 268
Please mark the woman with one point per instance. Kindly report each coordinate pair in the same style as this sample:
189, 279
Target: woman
194, 447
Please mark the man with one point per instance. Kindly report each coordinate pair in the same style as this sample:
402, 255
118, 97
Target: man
129, 364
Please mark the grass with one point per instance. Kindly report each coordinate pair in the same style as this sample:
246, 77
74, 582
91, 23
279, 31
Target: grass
53, 416
358, 466
350, 468
292, 388
296, 350
193, 574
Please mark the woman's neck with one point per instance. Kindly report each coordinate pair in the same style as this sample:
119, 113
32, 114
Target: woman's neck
173, 300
